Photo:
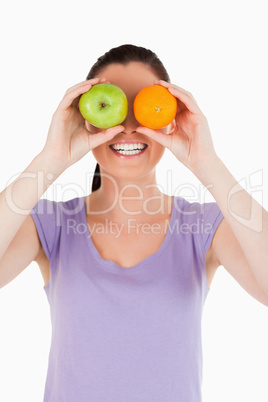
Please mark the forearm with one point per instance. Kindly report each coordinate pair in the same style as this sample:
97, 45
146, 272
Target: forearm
18, 198
245, 216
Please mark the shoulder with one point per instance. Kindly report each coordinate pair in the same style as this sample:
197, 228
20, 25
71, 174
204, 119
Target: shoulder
51, 207
51, 218
193, 210
199, 220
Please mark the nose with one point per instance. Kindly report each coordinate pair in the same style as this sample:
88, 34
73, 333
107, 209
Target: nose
130, 123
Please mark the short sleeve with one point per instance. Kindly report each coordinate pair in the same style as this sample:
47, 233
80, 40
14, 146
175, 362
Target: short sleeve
211, 216
47, 221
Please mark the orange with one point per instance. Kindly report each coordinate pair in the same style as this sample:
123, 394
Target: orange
155, 107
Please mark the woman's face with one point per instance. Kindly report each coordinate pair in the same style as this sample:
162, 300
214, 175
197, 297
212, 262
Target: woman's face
131, 78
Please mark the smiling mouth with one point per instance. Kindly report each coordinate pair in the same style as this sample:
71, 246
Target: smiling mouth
128, 149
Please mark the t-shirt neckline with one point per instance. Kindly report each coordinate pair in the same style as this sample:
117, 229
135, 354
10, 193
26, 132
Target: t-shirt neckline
111, 265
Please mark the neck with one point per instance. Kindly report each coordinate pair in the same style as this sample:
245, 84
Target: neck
123, 198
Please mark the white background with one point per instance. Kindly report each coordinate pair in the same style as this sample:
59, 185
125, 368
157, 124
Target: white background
218, 52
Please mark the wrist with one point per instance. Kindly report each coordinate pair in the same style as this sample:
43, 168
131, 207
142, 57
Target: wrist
50, 165
206, 171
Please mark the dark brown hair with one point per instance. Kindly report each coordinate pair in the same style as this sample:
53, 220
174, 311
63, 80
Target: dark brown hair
125, 54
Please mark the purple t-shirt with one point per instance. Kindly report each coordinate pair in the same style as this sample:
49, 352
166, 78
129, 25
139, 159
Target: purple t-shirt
125, 334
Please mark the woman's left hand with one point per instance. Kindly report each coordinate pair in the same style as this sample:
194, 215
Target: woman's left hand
190, 138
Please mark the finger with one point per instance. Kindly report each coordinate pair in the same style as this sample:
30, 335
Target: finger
170, 85
156, 135
182, 95
81, 84
93, 81
84, 86
106, 135
189, 101
76, 91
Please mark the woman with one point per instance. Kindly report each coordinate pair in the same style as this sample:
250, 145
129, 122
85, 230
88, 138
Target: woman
127, 268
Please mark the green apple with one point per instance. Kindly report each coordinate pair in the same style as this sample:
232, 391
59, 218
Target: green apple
104, 105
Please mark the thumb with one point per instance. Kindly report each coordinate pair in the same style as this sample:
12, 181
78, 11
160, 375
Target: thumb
106, 135
161, 138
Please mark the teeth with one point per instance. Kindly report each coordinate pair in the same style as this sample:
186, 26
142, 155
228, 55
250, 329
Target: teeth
129, 152
128, 147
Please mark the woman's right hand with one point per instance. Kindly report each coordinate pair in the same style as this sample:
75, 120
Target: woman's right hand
68, 138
